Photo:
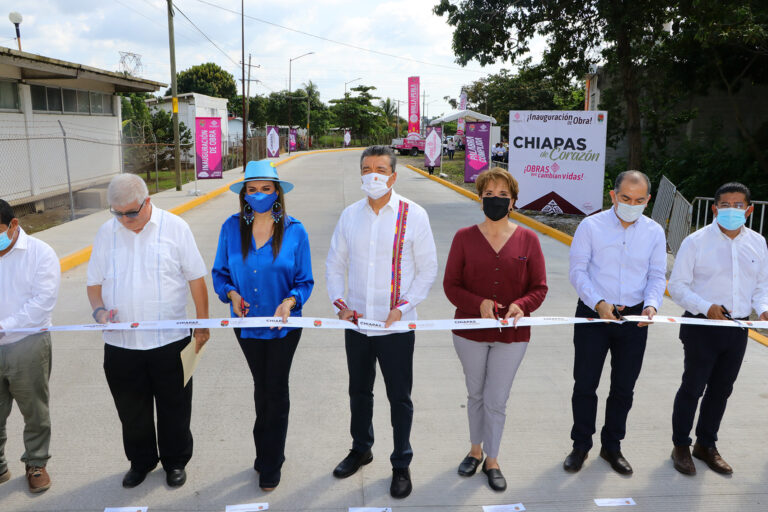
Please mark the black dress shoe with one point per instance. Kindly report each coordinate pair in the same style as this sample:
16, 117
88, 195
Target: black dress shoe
134, 477
469, 465
269, 482
495, 479
575, 460
176, 477
617, 461
401, 483
352, 463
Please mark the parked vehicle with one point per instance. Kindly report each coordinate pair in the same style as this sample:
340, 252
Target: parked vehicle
413, 144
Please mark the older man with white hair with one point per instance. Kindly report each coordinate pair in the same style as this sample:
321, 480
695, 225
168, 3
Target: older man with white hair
142, 261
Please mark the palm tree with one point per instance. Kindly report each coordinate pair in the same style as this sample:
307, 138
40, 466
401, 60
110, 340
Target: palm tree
389, 108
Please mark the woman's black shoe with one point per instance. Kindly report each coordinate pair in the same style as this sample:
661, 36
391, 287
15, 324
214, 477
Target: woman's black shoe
469, 465
495, 479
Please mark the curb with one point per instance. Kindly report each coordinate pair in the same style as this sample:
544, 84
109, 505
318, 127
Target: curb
542, 228
81, 256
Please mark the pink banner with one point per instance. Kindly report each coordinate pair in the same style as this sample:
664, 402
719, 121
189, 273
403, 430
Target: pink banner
347, 138
462, 106
208, 147
292, 139
273, 142
413, 105
476, 142
433, 146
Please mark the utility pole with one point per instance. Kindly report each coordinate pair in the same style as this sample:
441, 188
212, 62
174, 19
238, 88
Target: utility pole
309, 137
174, 99
423, 109
398, 117
242, 74
248, 94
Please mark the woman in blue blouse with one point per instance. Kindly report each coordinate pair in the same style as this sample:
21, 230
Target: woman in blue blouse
263, 268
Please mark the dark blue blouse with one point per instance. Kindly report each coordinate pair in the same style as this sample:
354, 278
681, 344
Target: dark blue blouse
261, 280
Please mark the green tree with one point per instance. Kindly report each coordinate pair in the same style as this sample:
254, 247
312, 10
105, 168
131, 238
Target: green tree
209, 79
578, 34
360, 114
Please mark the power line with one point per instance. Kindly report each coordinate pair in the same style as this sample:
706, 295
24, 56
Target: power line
348, 45
204, 35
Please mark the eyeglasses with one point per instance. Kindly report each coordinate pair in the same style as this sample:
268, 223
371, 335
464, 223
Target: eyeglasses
130, 215
740, 206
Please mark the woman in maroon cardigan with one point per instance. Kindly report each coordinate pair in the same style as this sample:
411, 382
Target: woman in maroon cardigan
495, 270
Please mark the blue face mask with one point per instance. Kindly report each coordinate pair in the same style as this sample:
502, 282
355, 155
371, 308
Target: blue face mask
261, 202
731, 218
5, 242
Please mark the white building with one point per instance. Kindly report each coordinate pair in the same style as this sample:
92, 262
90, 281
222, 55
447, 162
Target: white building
192, 105
41, 100
236, 131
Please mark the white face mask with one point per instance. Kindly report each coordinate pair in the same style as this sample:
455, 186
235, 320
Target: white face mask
375, 185
629, 213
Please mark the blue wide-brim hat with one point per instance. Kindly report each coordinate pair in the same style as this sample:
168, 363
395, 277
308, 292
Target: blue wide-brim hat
261, 170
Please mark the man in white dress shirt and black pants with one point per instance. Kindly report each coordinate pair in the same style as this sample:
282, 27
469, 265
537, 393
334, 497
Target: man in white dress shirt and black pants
720, 272
618, 263
383, 246
29, 284
141, 264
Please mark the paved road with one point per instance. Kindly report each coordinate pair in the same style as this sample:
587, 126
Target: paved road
88, 461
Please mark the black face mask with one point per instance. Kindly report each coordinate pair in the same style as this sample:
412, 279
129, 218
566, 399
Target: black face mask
496, 208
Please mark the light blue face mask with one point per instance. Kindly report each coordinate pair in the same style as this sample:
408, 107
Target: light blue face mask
5, 242
731, 218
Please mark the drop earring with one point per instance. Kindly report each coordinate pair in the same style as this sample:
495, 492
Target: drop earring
277, 212
247, 214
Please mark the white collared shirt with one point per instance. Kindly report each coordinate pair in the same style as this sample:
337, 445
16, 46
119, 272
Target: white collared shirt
362, 252
145, 276
711, 268
30, 274
623, 266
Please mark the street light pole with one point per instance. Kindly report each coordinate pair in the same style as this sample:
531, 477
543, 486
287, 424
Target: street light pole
174, 99
346, 106
16, 18
290, 100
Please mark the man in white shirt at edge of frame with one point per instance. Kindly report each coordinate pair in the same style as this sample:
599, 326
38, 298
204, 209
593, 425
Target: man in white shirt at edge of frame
720, 272
30, 275
618, 263
386, 239
143, 368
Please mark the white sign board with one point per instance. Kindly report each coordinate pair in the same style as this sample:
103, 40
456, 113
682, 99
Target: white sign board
558, 159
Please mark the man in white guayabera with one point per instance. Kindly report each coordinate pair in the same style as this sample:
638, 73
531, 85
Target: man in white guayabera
142, 262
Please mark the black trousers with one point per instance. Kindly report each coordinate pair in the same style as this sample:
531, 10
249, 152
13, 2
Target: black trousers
142, 381
270, 363
592, 342
713, 357
395, 355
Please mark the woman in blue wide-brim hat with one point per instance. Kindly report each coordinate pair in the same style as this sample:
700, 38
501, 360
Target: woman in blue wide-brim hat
263, 268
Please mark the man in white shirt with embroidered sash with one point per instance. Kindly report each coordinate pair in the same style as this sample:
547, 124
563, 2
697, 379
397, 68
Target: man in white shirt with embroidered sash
720, 272
29, 284
142, 262
618, 263
383, 246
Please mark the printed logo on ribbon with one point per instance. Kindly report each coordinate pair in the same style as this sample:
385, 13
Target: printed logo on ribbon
134, 325
318, 323
224, 323
412, 325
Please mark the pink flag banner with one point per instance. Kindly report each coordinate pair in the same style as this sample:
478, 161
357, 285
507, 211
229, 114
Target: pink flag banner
273, 142
292, 137
347, 138
413, 105
433, 146
208, 164
462, 106
476, 141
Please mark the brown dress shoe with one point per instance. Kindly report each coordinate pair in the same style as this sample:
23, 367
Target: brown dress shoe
5, 476
681, 457
712, 457
38, 479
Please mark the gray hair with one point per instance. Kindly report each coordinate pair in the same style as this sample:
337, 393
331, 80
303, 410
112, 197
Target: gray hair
125, 189
380, 151
633, 177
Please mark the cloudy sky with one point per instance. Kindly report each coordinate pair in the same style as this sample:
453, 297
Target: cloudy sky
93, 32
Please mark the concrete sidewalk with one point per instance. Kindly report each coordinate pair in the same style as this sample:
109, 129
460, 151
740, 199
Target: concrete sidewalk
88, 460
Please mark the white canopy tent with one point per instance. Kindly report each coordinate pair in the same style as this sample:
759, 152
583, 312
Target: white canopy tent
468, 115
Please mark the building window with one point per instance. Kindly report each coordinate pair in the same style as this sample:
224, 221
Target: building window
96, 105
54, 99
39, 101
9, 95
83, 106
71, 101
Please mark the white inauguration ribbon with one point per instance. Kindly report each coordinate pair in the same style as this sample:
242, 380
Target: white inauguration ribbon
374, 325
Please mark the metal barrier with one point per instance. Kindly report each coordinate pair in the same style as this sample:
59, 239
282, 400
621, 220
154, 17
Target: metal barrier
702, 207
662, 205
679, 222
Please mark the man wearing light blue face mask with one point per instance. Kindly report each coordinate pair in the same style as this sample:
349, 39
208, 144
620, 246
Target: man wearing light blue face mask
720, 272
618, 263
29, 284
